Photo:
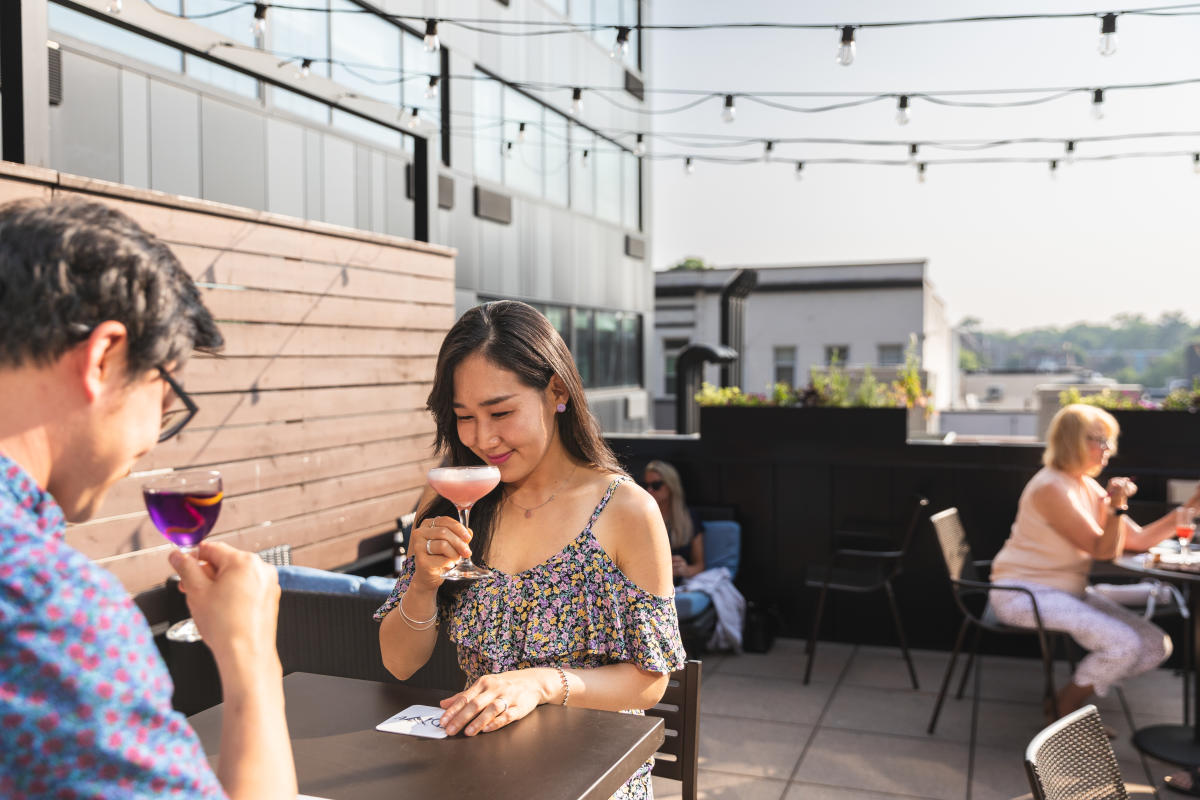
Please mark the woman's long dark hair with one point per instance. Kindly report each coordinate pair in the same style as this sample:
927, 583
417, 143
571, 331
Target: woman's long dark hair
516, 337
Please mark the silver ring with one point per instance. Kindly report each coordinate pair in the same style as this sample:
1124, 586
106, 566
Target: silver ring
502, 700
428, 552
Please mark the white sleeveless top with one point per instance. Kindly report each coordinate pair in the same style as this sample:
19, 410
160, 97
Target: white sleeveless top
1037, 553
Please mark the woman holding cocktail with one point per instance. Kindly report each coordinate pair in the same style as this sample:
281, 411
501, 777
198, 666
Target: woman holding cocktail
1065, 520
575, 606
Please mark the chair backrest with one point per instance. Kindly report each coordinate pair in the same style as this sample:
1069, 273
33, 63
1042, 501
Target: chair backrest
722, 544
954, 547
1072, 760
680, 710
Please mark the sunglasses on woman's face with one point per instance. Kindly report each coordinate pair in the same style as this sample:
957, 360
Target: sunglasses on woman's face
654, 486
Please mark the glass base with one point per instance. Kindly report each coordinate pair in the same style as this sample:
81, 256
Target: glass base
464, 570
185, 631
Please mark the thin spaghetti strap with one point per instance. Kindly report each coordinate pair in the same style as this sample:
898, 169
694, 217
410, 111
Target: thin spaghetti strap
612, 487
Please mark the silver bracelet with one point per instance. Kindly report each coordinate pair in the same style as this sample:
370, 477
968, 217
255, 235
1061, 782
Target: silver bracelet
417, 624
562, 674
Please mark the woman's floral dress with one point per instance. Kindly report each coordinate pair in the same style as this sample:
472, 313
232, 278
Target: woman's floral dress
576, 609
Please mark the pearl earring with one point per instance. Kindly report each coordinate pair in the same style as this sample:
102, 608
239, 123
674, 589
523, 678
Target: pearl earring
561, 408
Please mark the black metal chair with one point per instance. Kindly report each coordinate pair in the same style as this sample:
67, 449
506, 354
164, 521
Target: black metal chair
1072, 759
970, 594
680, 710
863, 571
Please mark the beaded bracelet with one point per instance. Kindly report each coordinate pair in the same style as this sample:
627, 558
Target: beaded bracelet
417, 624
562, 674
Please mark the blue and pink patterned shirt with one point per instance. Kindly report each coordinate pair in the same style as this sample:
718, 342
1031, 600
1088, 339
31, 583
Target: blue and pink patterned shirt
85, 699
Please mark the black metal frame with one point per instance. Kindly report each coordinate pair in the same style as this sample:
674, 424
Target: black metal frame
886, 565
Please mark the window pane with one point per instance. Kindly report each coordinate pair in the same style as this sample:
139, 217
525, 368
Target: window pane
100, 33
582, 346
366, 52
235, 26
523, 161
837, 354
558, 318
671, 350
631, 350
785, 365
605, 12
583, 170
558, 180
300, 34
558, 5
890, 355
373, 132
631, 188
608, 181
488, 129
419, 64
606, 349
581, 12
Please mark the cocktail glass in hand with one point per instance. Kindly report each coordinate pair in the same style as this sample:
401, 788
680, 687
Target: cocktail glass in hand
1185, 529
184, 507
464, 486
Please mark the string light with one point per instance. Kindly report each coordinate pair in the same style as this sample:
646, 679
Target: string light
577, 101
1070, 156
1098, 104
521, 133
639, 148
431, 91
259, 26
584, 160
902, 115
1054, 168
1108, 34
912, 154
799, 170
621, 46
729, 112
845, 53
508, 149
114, 7
1196, 163
414, 118
688, 166
768, 150
432, 42
921, 172
305, 68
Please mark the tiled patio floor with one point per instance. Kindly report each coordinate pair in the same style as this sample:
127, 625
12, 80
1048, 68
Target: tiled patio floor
857, 732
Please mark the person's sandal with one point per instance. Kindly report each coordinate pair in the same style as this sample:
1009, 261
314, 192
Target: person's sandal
1185, 781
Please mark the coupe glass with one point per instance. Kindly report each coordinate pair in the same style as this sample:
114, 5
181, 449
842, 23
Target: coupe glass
184, 507
1185, 529
464, 486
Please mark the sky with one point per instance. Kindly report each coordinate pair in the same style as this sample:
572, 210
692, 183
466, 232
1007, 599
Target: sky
1006, 244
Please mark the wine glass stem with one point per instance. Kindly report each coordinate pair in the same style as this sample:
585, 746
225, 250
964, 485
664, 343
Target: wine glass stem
464, 516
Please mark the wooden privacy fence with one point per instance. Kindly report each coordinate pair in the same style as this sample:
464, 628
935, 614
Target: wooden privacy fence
315, 412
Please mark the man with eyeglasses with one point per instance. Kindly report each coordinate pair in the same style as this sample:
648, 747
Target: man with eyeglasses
97, 318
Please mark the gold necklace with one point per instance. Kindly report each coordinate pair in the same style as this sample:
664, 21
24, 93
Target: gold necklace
530, 509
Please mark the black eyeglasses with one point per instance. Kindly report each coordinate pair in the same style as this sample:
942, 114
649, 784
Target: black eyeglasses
174, 419
654, 486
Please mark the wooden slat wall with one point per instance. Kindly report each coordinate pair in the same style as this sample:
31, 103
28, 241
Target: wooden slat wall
315, 412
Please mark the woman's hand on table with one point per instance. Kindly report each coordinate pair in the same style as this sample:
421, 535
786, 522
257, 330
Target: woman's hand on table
494, 701
436, 544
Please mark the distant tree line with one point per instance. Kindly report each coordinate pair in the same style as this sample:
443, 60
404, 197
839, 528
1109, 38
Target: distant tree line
1131, 349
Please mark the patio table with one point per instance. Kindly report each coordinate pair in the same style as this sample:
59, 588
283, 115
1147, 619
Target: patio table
555, 753
1176, 744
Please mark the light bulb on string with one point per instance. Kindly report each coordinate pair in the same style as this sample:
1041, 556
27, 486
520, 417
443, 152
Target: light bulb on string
688, 166
768, 150
912, 153
431, 91
583, 161
845, 53
620, 47
521, 133
921, 172
1108, 35
729, 112
1196, 163
305, 68
114, 7
1070, 154
508, 149
902, 115
799, 170
1098, 104
432, 42
414, 118
259, 26
1054, 168
577, 101
639, 147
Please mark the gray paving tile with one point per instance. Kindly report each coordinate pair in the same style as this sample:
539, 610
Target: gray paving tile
904, 713
884, 668
922, 767
787, 660
722, 786
812, 791
751, 747
773, 699
999, 774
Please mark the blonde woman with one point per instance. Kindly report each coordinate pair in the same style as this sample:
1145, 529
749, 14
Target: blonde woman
687, 539
1065, 521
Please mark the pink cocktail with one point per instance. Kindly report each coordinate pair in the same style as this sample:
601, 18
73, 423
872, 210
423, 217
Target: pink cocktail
464, 486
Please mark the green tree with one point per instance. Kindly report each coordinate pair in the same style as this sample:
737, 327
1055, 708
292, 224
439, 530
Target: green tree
691, 263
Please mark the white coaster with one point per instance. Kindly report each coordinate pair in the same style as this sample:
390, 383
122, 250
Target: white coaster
415, 721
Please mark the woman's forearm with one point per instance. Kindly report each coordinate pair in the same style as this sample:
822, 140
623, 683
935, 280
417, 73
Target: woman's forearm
403, 649
615, 687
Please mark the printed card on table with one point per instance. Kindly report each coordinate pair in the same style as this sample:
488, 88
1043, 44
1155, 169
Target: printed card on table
415, 721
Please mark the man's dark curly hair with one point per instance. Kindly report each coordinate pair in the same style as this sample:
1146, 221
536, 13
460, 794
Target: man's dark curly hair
66, 265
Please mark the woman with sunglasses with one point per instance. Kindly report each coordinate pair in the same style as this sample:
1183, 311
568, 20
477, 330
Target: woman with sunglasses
683, 526
1065, 521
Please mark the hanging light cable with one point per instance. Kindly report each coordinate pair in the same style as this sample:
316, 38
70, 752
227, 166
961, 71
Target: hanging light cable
902, 115
621, 45
1108, 35
432, 42
1098, 104
431, 91
845, 53
729, 112
259, 26
577, 101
